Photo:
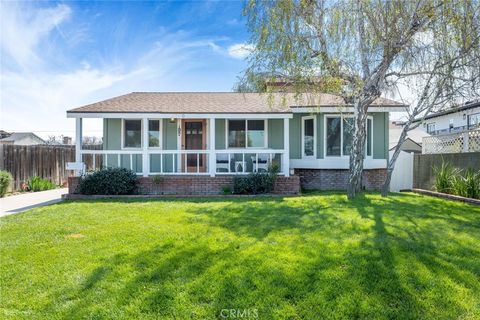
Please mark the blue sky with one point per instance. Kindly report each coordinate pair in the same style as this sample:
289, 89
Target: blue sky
59, 55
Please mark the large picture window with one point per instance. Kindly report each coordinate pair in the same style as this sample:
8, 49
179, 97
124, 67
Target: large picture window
246, 133
132, 134
339, 136
154, 133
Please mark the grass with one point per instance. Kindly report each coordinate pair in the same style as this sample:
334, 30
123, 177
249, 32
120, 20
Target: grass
313, 257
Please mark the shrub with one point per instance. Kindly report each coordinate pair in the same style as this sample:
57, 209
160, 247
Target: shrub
109, 181
256, 183
226, 190
36, 183
444, 177
5, 180
467, 185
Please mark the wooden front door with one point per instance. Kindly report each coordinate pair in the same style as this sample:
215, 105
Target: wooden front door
194, 138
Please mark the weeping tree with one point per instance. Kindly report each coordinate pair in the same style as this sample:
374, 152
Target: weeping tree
351, 47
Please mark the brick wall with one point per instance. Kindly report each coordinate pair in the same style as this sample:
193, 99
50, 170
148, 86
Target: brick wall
197, 185
337, 179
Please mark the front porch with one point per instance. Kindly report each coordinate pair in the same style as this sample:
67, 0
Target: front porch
188, 144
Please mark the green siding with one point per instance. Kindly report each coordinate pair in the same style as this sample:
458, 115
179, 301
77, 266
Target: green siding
220, 134
112, 130
275, 133
295, 136
380, 135
169, 135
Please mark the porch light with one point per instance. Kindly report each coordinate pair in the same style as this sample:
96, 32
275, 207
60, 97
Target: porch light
172, 120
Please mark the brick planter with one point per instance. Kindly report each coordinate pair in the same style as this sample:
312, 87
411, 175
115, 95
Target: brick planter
196, 185
337, 179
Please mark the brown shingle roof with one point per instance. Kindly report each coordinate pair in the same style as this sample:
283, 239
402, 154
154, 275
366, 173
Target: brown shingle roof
215, 102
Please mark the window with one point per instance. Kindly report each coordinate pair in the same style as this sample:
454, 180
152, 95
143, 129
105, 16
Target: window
308, 136
347, 135
132, 135
369, 137
450, 125
154, 133
333, 136
256, 133
431, 127
339, 136
246, 134
474, 120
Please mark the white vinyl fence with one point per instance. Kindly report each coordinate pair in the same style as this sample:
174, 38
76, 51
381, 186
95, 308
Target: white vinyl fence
402, 176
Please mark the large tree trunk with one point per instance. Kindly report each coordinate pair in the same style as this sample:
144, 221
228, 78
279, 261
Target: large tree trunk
357, 154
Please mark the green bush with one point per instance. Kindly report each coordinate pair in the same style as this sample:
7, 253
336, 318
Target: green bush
5, 180
39, 184
445, 175
467, 185
109, 181
256, 183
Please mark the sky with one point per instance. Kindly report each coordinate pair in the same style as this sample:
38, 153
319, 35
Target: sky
59, 55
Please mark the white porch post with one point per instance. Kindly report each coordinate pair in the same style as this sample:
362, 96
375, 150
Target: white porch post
212, 158
286, 147
78, 143
145, 157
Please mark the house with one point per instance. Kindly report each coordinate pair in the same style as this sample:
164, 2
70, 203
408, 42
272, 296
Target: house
454, 119
22, 139
454, 130
199, 141
413, 142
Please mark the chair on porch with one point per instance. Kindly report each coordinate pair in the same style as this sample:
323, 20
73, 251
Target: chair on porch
223, 163
263, 161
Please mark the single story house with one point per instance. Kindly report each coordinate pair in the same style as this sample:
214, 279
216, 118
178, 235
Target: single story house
198, 141
413, 142
22, 139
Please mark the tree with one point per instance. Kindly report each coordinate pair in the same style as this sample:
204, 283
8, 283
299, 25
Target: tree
354, 47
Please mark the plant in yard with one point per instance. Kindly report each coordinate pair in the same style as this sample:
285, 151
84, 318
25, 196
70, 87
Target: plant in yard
157, 179
467, 185
109, 181
36, 183
226, 190
445, 174
257, 182
362, 50
5, 180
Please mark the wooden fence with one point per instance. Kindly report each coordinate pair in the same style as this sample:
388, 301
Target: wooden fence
44, 161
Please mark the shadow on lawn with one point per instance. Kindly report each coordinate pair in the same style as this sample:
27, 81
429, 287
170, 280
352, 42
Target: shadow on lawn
306, 279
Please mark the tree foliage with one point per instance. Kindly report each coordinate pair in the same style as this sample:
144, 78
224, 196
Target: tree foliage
362, 49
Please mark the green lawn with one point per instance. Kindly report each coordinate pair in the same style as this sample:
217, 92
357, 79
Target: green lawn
313, 257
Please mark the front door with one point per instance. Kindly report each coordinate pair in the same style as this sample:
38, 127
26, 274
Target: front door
194, 138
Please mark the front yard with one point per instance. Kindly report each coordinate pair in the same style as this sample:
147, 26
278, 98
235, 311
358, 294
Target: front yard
313, 257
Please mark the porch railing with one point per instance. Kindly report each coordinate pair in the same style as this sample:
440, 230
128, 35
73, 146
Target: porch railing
173, 162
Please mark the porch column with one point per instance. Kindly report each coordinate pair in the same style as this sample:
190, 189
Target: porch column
78, 144
212, 158
286, 147
145, 157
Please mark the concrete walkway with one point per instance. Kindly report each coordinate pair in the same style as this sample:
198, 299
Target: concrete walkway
23, 202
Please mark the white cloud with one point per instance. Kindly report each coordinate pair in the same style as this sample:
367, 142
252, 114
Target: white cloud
23, 28
240, 50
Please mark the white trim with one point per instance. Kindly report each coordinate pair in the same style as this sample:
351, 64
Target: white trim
314, 118
336, 163
342, 116
265, 138
78, 144
212, 158
122, 138
114, 115
145, 155
338, 109
286, 146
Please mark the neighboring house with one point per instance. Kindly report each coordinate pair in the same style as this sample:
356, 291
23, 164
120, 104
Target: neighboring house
22, 139
224, 134
413, 142
455, 119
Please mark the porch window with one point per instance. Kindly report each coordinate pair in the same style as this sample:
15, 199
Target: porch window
246, 133
132, 135
308, 136
154, 133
